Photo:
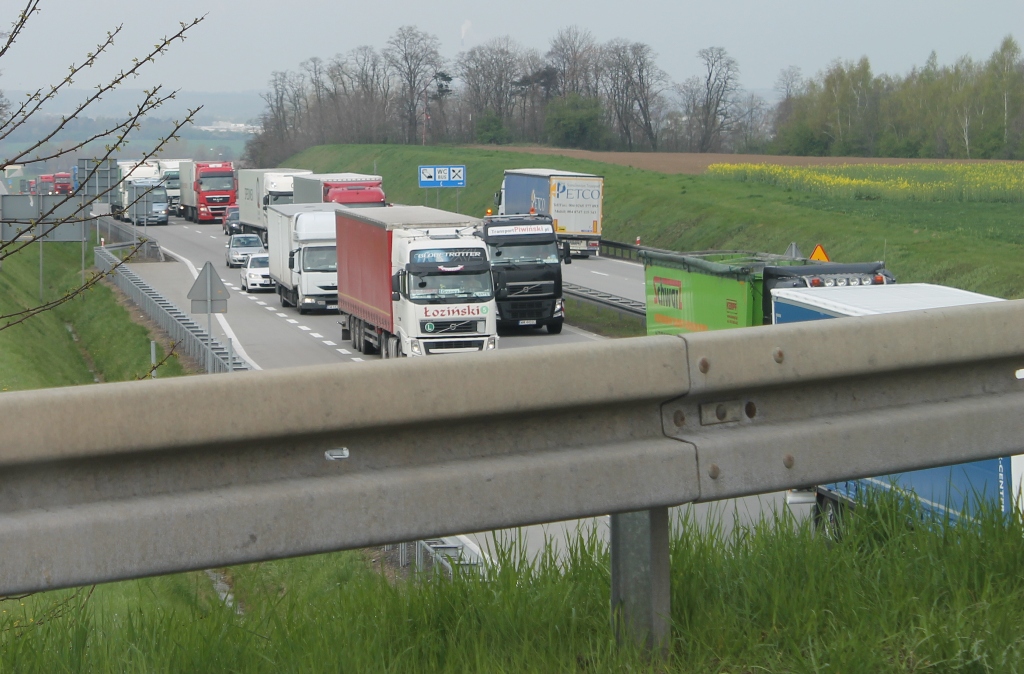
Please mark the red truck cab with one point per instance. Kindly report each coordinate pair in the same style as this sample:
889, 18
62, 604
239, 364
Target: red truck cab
44, 184
62, 183
215, 189
363, 193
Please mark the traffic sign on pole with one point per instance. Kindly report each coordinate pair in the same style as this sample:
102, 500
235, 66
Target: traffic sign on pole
442, 176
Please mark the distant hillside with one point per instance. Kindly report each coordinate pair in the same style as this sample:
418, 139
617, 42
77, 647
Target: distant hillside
239, 106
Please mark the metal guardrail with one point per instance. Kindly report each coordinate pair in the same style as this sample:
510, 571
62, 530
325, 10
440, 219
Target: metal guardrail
620, 304
192, 340
338, 457
113, 232
626, 251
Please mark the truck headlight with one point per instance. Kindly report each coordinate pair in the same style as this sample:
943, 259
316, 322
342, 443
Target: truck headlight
308, 300
492, 343
414, 346
559, 309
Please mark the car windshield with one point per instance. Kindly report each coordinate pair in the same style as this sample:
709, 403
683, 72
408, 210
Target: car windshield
246, 242
473, 286
544, 252
158, 195
260, 262
217, 183
320, 259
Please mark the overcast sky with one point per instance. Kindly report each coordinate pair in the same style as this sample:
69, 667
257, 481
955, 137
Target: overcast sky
242, 41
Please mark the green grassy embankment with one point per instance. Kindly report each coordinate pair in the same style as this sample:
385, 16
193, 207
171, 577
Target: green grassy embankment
91, 337
975, 246
891, 595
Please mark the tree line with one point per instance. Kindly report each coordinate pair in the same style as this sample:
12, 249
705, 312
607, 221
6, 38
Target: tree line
613, 95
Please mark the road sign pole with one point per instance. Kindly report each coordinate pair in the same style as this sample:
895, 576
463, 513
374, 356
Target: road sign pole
209, 324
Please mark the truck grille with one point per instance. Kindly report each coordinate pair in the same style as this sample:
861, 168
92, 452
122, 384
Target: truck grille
521, 311
530, 288
218, 200
447, 327
454, 346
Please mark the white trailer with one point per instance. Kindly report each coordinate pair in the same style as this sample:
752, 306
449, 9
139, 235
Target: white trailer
260, 189
575, 202
168, 172
303, 256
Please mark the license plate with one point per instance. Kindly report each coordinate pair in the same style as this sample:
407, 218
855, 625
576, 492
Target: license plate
529, 322
332, 306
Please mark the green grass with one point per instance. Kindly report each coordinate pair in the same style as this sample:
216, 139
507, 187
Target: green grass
602, 321
891, 595
969, 245
43, 351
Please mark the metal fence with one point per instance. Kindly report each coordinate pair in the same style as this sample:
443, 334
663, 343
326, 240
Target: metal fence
192, 340
109, 231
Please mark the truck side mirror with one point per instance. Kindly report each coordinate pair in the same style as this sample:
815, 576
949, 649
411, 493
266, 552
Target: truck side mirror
396, 284
497, 198
501, 289
266, 200
195, 186
291, 259
566, 253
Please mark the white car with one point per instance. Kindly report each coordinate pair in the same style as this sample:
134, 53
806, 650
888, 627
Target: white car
256, 273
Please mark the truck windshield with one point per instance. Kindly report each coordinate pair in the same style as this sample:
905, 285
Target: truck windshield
278, 199
524, 253
441, 287
156, 196
172, 180
217, 183
320, 259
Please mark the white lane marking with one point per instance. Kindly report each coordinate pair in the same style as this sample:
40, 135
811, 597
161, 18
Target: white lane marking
252, 298
358, 360
303, 327
283, 315
293, 321
316, 334
239, 349
329, 342
270, 308
224, 280
600, 273
634, 265
263, 304
212, 236
344, 351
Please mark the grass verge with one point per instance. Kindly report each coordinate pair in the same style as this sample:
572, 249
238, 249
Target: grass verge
892, 594
602, 321
89, 338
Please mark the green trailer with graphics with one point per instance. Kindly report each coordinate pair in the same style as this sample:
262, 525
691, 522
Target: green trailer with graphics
714, 290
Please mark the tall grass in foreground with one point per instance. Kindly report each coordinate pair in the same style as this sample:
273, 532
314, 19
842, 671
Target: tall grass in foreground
995, 182
891, 595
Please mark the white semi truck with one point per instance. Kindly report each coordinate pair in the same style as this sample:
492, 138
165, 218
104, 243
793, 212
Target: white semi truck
168, 173
128, 170
414, 281
575, 202
303, 261
261, 189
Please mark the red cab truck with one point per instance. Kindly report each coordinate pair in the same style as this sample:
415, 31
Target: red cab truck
45, 184
207, 189
355, 190
62, 183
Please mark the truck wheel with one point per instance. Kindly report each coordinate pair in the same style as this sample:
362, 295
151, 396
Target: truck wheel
827, 515
280, 294
554, 328
357, 335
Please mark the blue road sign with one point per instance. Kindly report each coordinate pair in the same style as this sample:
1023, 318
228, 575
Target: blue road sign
442, 176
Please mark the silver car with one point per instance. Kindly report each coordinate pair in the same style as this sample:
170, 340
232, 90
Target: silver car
256, 273
240, 247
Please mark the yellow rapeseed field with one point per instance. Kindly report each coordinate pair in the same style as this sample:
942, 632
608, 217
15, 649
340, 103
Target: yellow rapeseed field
997, 181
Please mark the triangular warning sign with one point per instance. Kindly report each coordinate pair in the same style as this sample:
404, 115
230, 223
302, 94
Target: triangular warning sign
208, 293
819, 254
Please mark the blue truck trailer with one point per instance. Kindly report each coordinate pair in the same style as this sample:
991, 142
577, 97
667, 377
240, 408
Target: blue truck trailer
944, 492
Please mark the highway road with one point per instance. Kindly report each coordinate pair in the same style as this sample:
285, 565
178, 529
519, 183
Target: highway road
266, 334
616, 277
270, 336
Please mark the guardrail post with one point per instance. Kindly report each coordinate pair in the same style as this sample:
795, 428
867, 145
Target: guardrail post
640, 596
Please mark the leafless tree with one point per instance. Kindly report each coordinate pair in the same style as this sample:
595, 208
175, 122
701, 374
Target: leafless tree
648, 81
575, 55
618, 88
114, 136
718, 84
415, 58
489, 73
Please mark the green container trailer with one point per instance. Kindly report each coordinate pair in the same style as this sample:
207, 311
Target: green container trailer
695, 292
